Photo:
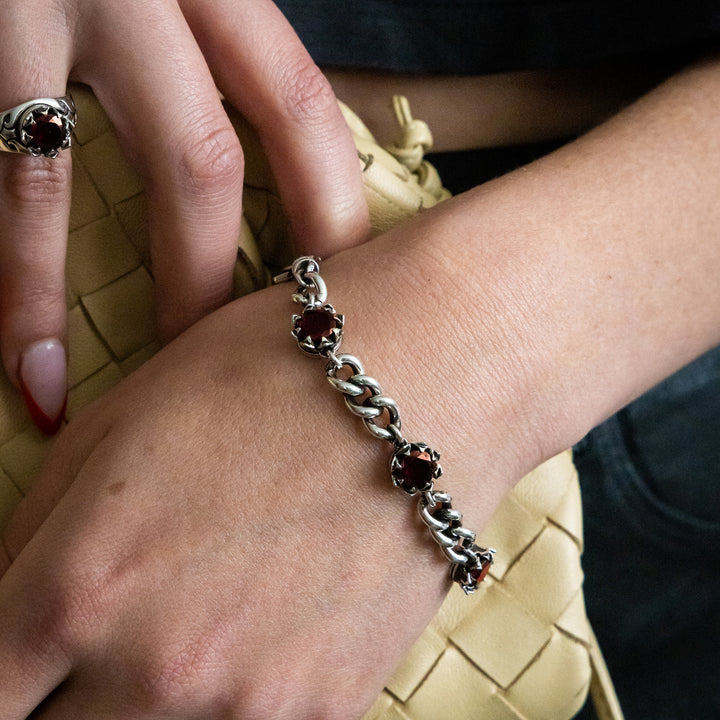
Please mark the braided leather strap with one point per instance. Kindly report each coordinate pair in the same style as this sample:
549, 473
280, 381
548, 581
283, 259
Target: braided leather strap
414, 466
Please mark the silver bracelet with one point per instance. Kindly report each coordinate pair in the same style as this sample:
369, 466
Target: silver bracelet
413, 466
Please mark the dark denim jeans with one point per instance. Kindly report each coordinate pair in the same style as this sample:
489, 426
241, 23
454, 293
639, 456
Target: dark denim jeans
650, 478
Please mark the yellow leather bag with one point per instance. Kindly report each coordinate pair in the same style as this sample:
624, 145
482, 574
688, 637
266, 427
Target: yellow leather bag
521, 647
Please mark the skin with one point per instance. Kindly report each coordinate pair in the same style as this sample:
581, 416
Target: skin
495, 110
240, 554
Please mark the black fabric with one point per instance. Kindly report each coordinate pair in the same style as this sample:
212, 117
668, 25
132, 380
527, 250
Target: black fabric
649, 478
486, 36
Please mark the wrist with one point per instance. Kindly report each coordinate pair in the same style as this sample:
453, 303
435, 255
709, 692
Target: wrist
414, 466
443, 358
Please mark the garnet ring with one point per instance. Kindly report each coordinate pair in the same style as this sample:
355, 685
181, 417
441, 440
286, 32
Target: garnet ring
38, 127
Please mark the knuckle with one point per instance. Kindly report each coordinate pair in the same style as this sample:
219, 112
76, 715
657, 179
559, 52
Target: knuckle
160, 689
306, 93
37, 181
44, 299
77, 602
172, 675
213, 167
261, 700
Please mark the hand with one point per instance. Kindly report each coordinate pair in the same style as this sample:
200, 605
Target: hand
154, 65
216, 538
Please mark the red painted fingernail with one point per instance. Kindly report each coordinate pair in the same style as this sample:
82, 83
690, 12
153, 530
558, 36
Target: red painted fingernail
43, 380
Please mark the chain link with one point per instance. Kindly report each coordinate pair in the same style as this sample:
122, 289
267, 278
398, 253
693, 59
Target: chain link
370, 407
312, 291
414, 466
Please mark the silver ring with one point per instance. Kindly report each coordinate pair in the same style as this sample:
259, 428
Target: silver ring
38, 127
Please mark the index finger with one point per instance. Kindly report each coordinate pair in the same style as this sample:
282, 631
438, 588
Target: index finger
263, 69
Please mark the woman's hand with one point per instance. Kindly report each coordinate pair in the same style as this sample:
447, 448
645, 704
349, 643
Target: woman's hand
154, 65
219, 537
216, 538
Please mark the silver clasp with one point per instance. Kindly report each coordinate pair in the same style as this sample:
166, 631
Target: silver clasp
312, 290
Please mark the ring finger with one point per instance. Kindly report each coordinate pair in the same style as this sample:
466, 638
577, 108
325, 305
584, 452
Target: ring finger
34, 210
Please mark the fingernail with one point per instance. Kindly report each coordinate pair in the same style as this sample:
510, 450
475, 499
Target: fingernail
43, 379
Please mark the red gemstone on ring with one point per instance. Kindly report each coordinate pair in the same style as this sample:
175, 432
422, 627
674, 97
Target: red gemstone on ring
46, 133
314, 325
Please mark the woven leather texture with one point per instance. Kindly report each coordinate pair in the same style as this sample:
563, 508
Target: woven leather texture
519, 648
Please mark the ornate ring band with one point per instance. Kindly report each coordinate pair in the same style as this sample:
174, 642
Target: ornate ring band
38, 127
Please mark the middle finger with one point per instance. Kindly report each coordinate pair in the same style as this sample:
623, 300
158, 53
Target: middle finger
152, 79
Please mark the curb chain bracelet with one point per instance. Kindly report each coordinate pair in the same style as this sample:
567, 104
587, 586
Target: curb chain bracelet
414, 466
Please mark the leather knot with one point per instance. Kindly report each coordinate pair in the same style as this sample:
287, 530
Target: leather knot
415, 136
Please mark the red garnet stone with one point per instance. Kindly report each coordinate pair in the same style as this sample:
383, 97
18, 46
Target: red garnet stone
46, 133
478, 574
414, 469
470, 578
314, 325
